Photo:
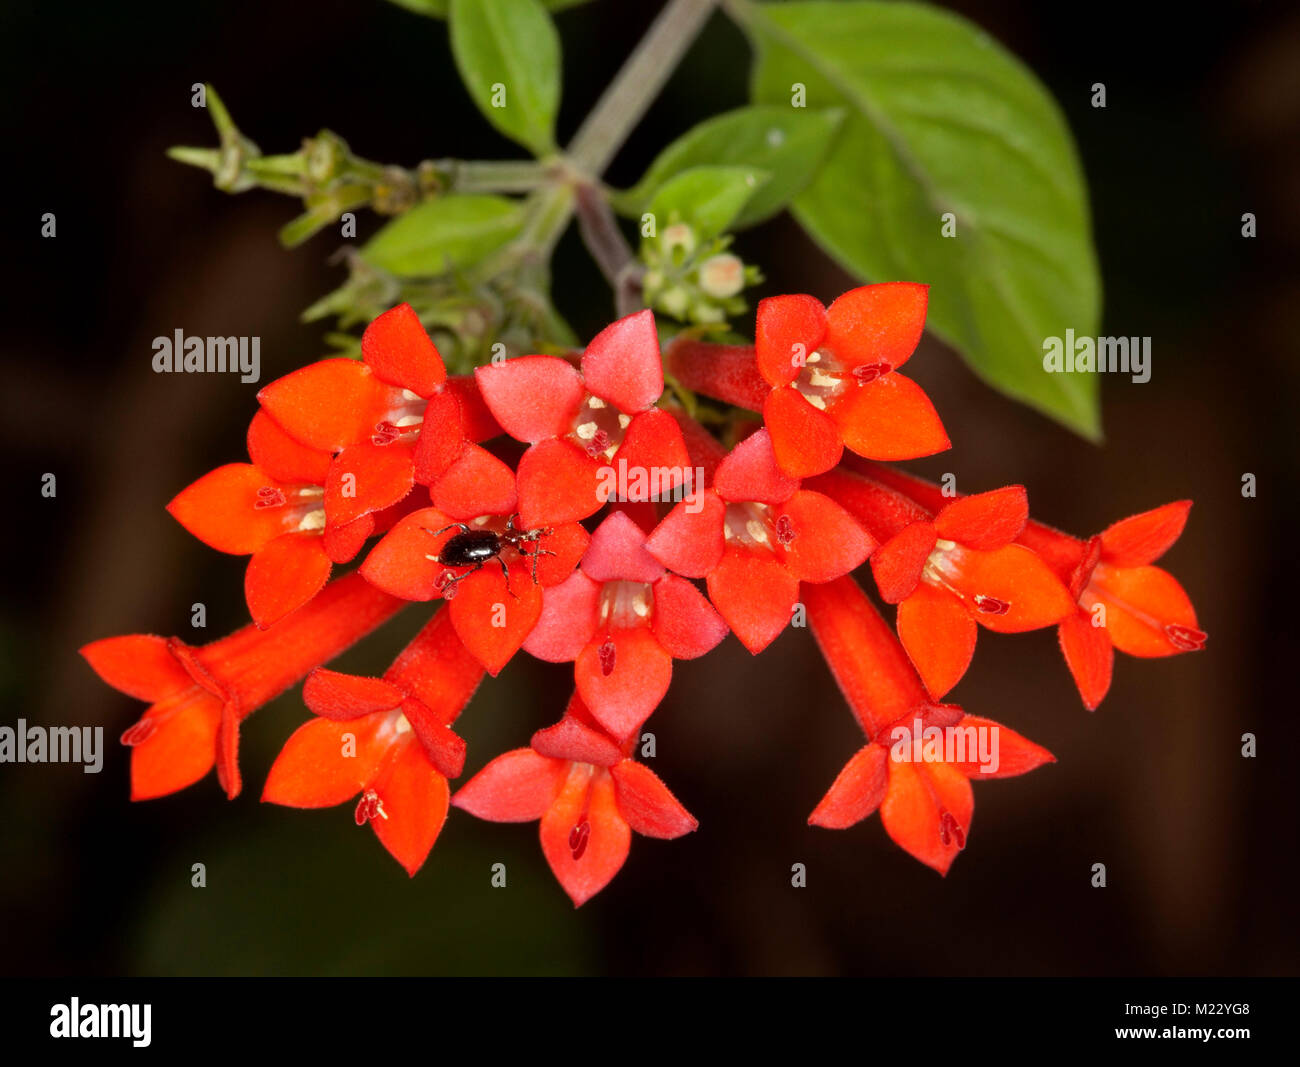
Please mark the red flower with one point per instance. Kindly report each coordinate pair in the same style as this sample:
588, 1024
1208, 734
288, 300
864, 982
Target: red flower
272, 510
393, 419
755, 535
622, 618
388, 739
952, 572
576, 423
199, 695
827, 377
1144, 611
588, 795
920, 756
493, 606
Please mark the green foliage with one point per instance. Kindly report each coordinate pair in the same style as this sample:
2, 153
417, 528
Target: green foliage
708, 199
446, 233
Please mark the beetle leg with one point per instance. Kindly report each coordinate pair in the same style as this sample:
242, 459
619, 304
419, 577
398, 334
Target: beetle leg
505, 571
463, 527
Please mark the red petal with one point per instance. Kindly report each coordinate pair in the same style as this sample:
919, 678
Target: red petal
281, 456
444, 749
690, 538
479, 425
400, 563
877, 323
1018, 578
380, 475
283, 575
221, 509
622, 363
783, 323
138, 665
806, 441
884, 512
569, 542
342, 543
898, 563
647, 804
856, 792
584, 838
558, 482
1142, 603
918, 796
414, 797
437, 670
570, 739
567, 621
684, 621
617, 553
476, 484
889, 418
397, 348
332, 695
750, 473
1015, 754
329, 404
755, 594
1089, 655
639, 670
653, 444
939, 635
441, 440
494, 620
1142, 539
532, 397
985, 520
820, 540
518, 786
182, 747
317, 767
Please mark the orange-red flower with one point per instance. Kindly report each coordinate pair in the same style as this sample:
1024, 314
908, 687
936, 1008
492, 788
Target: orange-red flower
199, 695
389, 739
920, 757
587, 792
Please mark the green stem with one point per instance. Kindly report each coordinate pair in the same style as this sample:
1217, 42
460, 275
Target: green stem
505, 176
637, 84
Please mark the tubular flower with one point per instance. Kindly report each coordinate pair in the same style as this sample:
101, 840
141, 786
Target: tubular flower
755, 535
623, 618
390, 421
388, 739
1121, 600
199, 695
588, 794
273, 511
831, 377
920, 757
578, 424
952, 572
493, 604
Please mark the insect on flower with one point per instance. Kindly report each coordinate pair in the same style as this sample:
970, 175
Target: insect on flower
473, 548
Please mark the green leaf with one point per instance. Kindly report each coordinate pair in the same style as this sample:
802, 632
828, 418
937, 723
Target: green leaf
438, 8
789, 143
448, 232
709, 199
942, 119
508, 55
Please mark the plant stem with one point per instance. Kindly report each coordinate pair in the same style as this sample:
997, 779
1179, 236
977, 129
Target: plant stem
637, 84
505, 176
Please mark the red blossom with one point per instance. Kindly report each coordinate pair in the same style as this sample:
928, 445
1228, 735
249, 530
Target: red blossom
755, 535
623, 617
388, 739
953, 571
575, 422
925, 803
587, 792
199, 694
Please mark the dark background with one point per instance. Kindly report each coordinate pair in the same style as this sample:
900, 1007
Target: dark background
1199, 843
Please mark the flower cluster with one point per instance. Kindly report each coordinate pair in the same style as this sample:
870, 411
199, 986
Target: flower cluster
606, 527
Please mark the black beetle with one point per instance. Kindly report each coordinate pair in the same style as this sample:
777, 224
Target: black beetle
473, 548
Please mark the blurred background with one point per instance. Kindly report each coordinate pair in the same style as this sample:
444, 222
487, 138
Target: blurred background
1200, 844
